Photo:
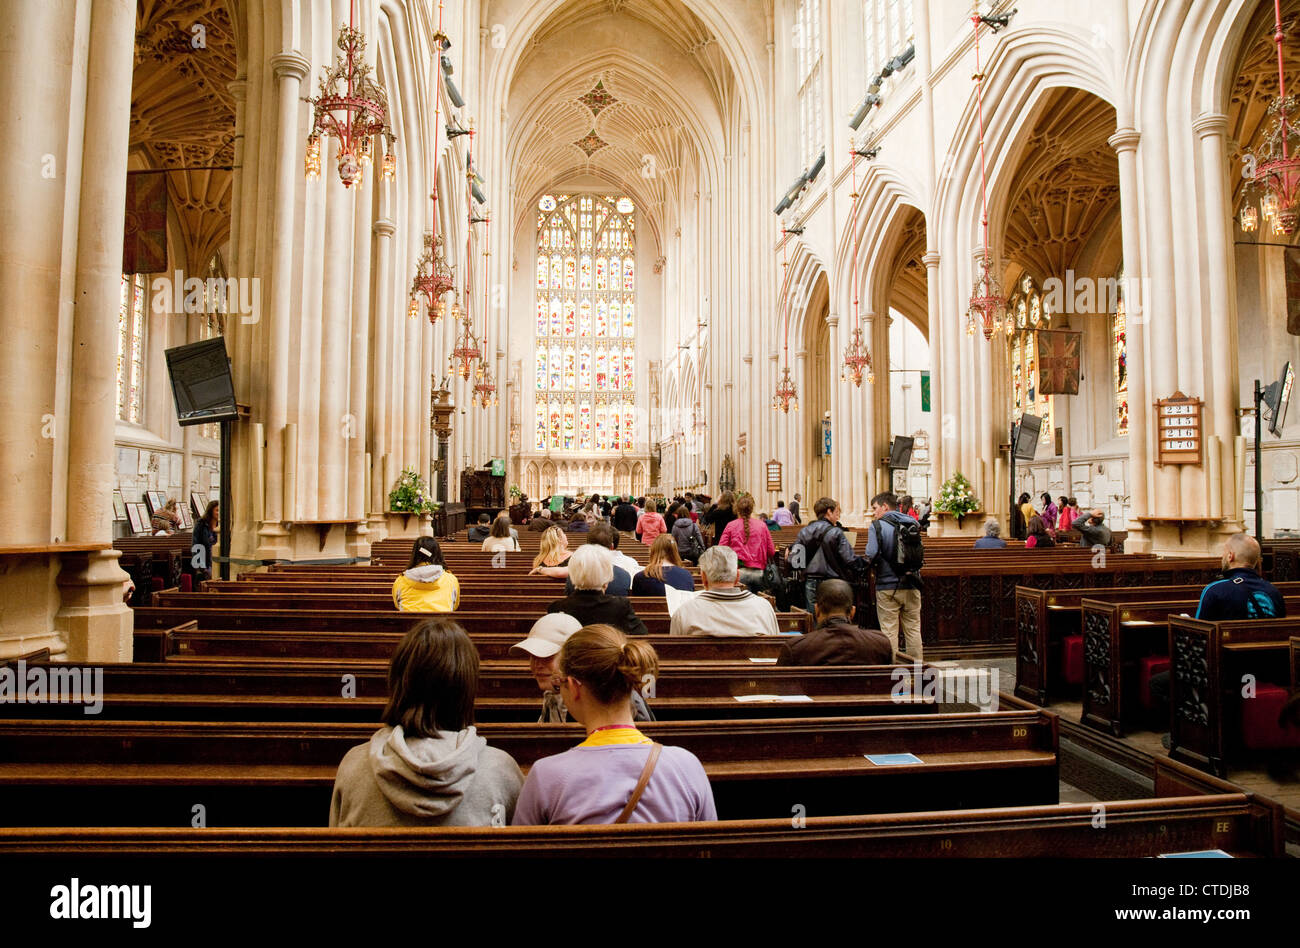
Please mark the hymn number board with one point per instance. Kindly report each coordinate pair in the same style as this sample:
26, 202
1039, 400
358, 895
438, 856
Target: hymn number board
1178, 424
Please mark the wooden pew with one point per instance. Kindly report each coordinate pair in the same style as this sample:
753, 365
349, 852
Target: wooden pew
273, 620
1233, 822
186, 640
288, 691
1208, 663
1115, 637
1044, 616
109, 773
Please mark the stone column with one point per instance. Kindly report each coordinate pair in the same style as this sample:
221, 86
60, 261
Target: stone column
1125, 142
381, 405
93, 619
1221, 373
290, 68
938, 449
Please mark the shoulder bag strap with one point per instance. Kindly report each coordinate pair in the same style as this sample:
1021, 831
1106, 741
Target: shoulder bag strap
641, 784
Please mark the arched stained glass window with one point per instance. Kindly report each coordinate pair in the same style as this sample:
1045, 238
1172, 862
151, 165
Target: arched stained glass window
585, 326
1029, 314
1119, 361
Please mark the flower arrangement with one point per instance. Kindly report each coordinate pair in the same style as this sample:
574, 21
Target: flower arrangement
410, 494
957, 497
515, 491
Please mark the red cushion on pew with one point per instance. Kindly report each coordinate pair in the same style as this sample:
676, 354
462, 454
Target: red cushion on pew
187, 582
1259, 727
1151, 665
1072, 659
156, 583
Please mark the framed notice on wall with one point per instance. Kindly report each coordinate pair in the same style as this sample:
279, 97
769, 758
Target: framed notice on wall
1178, 429
774, 476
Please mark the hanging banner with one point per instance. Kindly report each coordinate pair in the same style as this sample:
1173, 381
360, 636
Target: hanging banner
1058, 361
144, 238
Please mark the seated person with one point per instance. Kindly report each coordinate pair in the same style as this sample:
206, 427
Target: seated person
992, 539
553, 553
590, 573
782, 515
605, 537
500, 539
1039, 538
482, 530
664, 569
1241, 594
542, 645
427, 766
426, 586
725, 607
596, 781
1092, 531
541, 523
583, 521
690, 542
836, 640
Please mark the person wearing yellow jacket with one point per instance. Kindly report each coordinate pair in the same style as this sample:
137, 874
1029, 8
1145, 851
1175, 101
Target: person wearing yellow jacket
426, 586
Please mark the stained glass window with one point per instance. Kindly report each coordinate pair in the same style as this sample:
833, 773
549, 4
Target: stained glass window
130, 349
1119, 360
889, 31
1029, 313
585, 328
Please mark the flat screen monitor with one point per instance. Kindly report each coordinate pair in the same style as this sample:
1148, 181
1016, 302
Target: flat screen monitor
1281, 399
900, 453
1027, 433
201, 383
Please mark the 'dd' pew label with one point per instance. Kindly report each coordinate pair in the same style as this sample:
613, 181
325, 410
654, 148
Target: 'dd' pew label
893, 760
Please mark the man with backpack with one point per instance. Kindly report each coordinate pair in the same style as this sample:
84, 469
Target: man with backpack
826, 550
895, 552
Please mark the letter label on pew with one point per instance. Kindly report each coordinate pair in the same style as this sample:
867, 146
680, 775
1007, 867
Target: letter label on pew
499, 559
199, 816
498, 814
799, 821
1098, 556
648, 686
349, 686
1248, 686
1099, 816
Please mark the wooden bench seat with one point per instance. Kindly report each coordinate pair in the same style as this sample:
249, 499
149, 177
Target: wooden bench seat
260, 774
1208, 665
1119, 636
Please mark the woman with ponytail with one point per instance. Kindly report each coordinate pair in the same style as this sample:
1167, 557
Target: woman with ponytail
752, 541
617, 775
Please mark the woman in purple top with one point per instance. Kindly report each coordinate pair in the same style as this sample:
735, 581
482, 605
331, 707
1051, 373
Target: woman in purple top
593, 783
1049, 514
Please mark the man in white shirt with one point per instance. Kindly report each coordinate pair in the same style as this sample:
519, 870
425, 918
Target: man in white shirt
725, 607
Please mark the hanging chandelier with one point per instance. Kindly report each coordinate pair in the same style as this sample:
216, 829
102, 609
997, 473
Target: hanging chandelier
466, 351
987, 304
434, 279
352, 107
857, 360
786, 396
1277, 168
485, 389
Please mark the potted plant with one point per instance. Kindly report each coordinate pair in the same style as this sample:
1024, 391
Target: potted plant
957, 497
410, 496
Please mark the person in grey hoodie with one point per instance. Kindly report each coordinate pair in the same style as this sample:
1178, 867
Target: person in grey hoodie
428, 766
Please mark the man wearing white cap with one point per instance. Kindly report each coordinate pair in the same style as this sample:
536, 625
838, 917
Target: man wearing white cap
545, 639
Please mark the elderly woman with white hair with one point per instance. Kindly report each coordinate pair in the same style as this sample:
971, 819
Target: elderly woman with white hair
992, 539
725, 607
590, 571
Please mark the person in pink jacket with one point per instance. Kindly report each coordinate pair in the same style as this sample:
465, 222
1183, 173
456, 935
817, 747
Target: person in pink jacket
752, 541
650, 524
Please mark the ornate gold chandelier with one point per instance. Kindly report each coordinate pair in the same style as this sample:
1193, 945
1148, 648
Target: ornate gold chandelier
857, 359
1277, 167
434, 279
352, 107
987, 303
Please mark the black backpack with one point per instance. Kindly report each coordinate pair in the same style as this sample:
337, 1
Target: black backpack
908, 555
854, 572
